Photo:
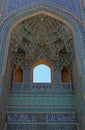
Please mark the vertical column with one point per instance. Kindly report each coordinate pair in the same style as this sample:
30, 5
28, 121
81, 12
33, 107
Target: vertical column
6, 83
57, 79
82, 3
71, 80
9, 70
12, 68
27, 73
11, 80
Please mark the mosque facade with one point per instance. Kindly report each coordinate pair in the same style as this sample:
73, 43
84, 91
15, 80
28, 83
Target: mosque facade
49, 33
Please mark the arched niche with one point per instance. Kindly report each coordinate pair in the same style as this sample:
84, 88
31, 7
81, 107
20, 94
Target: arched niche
18, 74
65, 76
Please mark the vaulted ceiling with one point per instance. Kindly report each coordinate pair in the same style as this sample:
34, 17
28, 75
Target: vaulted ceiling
42, 37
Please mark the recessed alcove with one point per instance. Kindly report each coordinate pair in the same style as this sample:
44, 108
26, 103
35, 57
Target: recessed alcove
65, 76
18, 74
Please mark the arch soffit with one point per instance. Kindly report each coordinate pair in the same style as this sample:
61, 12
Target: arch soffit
41, 61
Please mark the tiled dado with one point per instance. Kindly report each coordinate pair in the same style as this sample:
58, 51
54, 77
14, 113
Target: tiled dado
42, 87
42, 118
45, 121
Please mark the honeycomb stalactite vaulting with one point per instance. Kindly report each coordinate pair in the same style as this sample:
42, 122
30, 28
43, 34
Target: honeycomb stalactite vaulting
42, 37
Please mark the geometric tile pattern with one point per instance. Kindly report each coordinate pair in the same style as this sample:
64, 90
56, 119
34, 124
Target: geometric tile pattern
42, 118
42, 87
71, 5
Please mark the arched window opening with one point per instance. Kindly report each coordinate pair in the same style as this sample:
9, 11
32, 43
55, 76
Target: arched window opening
18, 74
41, 74
65, 78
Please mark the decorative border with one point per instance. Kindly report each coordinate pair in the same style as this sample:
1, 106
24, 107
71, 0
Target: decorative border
20, 5
42, 118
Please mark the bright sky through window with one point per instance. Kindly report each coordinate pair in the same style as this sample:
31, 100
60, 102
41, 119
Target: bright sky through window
41, 74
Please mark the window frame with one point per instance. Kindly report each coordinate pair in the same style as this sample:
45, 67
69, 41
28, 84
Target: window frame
44, 62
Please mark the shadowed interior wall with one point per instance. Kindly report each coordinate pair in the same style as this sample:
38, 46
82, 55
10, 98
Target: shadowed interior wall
65, 77
18, 74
